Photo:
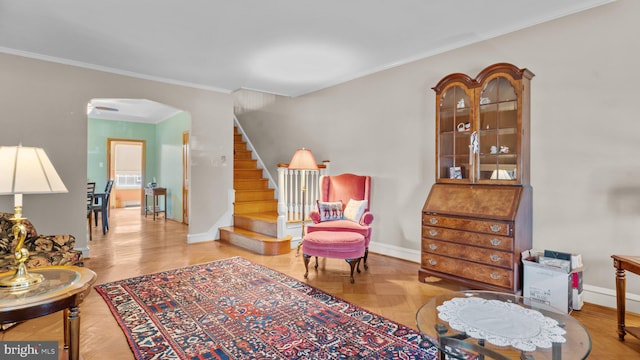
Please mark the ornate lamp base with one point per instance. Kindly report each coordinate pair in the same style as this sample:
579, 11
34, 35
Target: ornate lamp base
20, 280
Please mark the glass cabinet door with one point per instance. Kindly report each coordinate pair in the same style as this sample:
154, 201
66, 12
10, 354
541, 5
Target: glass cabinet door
498, 131
455, 124
482, 127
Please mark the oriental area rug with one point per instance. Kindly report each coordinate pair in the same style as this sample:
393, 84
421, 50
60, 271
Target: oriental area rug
236, 309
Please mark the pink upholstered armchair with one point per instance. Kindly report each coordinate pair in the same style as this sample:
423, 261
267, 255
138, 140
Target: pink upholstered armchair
355, 215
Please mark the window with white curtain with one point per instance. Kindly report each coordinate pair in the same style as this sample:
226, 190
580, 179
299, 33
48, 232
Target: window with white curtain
128, 174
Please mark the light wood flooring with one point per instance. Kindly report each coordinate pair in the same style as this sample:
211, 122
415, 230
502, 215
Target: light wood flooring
136, 245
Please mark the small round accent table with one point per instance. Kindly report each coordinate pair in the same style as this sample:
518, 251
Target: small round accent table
500, 326
63, 288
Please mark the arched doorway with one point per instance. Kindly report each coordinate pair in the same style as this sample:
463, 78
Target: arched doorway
160, 126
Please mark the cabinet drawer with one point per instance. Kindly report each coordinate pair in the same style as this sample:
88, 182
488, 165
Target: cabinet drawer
465, 269
471, 238
480, 255
484, 226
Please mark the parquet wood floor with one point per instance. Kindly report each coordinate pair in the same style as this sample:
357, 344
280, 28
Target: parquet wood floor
135, 246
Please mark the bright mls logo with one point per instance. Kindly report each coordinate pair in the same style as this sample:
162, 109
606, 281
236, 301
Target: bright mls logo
31, 350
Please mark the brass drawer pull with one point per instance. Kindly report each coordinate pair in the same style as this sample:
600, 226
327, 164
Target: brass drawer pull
432, 262
496, 227
495, 258
433, 246
495, 276
433, 221
433, 232
495, 242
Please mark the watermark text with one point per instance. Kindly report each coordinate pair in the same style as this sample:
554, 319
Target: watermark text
31, 350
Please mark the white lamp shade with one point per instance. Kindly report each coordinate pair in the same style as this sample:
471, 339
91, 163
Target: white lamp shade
27, 170
303, 160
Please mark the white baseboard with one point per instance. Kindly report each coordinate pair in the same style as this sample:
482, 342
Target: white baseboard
395, 251
203, 237
592, 294
85, 251
607, 297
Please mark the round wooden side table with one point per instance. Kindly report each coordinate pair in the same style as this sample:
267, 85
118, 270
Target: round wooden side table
63, 288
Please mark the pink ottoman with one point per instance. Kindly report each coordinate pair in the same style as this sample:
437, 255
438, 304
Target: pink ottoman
333, 244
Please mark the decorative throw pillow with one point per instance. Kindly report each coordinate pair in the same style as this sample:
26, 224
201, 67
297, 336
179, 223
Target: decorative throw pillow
330, 210
355, 209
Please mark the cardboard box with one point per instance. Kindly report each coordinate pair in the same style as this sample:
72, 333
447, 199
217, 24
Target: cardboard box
548, 285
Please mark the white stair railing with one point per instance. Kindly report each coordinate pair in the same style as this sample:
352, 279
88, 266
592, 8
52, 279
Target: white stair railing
290, 194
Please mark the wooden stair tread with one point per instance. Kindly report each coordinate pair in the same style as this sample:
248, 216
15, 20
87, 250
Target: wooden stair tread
243, 184
247, 207
266, 201
255, 242
254, 195
254, 235
263, 216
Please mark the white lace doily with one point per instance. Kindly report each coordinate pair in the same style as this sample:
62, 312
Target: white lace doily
501, 323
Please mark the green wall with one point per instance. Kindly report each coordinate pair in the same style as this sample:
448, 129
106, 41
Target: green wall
99, 131
169, 150
163, 153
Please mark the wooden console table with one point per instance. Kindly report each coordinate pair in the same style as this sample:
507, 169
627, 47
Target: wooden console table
155, 209
624, 263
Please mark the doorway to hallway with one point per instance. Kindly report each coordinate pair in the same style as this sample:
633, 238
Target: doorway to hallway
126, 164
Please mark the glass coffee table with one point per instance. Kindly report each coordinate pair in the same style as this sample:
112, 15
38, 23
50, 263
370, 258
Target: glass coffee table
502, 326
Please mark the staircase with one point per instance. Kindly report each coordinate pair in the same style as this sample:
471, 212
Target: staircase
255, 210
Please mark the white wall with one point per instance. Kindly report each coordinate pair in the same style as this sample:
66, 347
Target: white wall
44, 104
585, 135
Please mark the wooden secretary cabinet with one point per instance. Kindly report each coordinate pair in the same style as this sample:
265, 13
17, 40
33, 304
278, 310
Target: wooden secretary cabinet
477, 218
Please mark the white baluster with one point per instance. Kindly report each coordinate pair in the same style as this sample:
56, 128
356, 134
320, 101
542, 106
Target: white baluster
309, 198
297, 194
290, 197
310, 191
282, 199
316, 187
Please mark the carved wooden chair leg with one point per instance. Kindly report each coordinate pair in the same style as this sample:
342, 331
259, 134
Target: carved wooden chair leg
306, 265
353, 263
366, 255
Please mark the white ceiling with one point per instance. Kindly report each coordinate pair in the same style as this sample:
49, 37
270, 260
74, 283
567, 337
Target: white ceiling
285, 47
133, 110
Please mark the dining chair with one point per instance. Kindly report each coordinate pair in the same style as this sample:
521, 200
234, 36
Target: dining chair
91, 189
101, 205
